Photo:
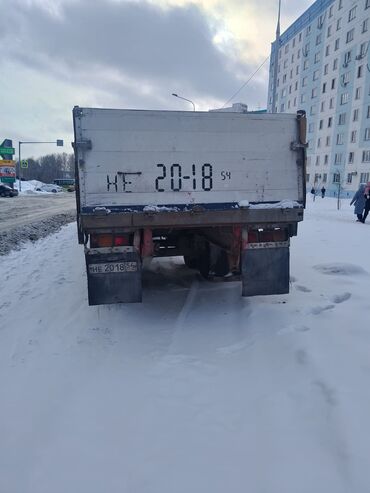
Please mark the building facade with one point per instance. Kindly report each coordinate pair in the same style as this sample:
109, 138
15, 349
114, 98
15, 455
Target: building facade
324, 69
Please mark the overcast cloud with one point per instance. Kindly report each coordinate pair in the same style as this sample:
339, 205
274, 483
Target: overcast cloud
124, 54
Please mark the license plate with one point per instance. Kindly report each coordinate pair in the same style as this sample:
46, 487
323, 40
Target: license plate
113, 268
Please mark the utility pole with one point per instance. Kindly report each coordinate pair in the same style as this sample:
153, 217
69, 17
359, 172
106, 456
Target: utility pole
276, 61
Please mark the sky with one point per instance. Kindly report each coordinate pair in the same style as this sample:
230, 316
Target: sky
128, 54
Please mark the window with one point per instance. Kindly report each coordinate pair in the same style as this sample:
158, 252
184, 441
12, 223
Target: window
285, 63
331, 103
344, 98
317, 57
347, 57
318, 39
340, 4
318, 144
335, 64
363, 49
311, 127
353, 136
326, 158
305, 65
342, 119
282, 108
333, 83
292, 60
364, 177
296, 85
293, 42
352, 14
367, 133
328, 34
338, 158
339, 139
355, 115
286, 48
284, 78
307, 177
331, 11
330, 121
327, 50
345, 78
322, 108
306, 49
350, 35
295, 102
326, 69
308, 30
324, 177
304, 81
297, 70
313, 110
367, 4
303, 98
339, 23
321, 122
365, 159
336, 178
328, 141
365, 26
349, 178
317, 161
315, 75
300, 38
360, 70
358, 93
368, 112
351, 157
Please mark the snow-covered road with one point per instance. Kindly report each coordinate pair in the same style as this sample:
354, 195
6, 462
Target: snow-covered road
196, 389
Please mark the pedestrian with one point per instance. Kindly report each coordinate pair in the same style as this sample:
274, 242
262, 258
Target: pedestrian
367, 201
359, 201
313, 193
323, 190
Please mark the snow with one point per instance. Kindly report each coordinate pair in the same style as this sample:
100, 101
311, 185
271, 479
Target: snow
196, 389
159, 208
29, 187
283, 204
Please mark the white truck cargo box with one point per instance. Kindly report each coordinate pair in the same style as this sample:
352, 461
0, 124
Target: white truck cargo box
131, 159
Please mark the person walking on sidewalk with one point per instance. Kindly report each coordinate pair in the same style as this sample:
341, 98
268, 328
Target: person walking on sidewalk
359, 201
367, 202
323, 190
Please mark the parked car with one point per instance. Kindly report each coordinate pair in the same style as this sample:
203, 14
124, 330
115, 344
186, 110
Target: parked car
71, 188
7, 191
49, 187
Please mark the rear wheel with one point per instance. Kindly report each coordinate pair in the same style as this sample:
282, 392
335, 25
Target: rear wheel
191, 262
204, 261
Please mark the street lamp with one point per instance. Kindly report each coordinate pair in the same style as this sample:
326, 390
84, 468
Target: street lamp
188, 100
58, 142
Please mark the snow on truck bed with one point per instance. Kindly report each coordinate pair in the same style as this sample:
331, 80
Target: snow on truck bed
197, 389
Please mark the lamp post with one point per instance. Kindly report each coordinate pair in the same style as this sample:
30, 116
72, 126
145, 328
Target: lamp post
188, 100
58, 142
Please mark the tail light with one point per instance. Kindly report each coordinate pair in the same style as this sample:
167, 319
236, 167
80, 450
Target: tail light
109, 240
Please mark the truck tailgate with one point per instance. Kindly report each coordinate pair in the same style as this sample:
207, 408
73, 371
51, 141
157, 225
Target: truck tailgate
130, 160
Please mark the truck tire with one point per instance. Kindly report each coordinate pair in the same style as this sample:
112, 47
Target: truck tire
191, 262
221, 267
204, 261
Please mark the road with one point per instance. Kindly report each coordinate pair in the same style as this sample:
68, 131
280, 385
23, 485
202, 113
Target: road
25, 209
196, 389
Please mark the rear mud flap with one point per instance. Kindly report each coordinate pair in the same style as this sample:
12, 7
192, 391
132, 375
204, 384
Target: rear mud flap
113, 277
265, 271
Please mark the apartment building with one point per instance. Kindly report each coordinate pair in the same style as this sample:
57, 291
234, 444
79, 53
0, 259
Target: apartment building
324, 69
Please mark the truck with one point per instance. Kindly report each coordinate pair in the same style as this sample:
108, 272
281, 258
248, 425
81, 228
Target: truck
225, 191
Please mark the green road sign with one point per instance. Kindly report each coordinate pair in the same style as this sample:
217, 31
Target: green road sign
7, 150
24, 163
7, 179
